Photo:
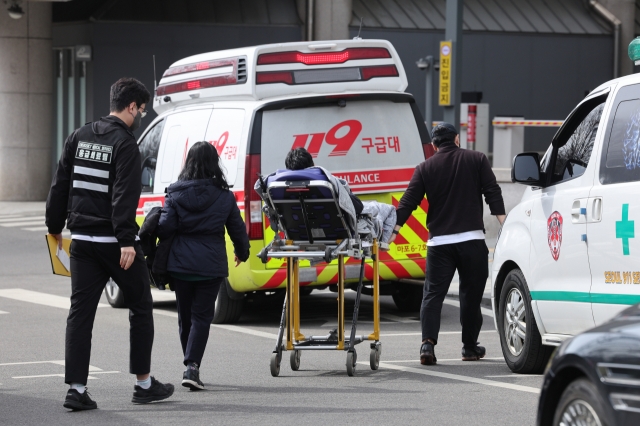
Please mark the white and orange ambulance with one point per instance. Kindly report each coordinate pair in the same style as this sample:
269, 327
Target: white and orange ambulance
344, 101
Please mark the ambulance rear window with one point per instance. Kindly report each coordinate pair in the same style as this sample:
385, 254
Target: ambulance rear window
374, 144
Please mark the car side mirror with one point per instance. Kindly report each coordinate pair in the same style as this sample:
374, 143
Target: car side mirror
148, 170
526, 169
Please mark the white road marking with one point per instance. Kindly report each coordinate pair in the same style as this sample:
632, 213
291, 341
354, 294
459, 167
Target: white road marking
17, 224
92, 368
7, 216
235, 328
518, 375
21, 219
397, 318
451, 360
37, 228
456, 303
52, 375
3, 312
40, 298
420, 334
459, 377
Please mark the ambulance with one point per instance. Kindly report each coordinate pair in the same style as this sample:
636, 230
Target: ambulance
568, 256
344, 101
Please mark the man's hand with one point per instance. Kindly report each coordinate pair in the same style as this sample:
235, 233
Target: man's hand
394, 235
501, 218
127, 256
238, 261
58, 238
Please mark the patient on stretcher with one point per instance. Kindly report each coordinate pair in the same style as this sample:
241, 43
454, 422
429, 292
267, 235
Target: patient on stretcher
299, 159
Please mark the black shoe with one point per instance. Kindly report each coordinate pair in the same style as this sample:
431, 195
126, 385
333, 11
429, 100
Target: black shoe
191, 378
427, 354
473, 354
157, 392
77, 401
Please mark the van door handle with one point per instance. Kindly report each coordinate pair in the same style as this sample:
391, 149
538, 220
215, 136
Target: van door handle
596, 210
577, 211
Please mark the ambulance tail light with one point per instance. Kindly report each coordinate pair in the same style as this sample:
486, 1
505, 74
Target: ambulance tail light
325, 57
203, 83
326, 75
252, 201
428, 150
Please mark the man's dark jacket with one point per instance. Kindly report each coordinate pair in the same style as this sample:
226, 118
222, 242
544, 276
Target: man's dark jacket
92, 213
454, 181
196, 213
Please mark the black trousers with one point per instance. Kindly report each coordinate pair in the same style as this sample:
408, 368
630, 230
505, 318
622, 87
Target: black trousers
196, 305
91, 266
470, 259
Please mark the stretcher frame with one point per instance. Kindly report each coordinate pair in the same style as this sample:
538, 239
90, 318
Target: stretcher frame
295, 250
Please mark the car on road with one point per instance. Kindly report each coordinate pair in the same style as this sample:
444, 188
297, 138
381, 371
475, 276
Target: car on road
594, 378
568, 258
344, 101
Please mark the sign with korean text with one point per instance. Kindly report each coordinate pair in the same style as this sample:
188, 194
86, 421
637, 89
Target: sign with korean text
444, 92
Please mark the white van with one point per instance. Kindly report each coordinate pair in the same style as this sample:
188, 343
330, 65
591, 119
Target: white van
568, 257
342, 100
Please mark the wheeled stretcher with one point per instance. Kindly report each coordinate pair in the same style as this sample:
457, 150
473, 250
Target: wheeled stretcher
304, 205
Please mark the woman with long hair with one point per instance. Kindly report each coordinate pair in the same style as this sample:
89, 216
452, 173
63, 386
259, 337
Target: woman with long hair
198, 208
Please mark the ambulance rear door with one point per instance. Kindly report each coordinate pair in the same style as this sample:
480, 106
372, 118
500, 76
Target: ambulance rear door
374, 142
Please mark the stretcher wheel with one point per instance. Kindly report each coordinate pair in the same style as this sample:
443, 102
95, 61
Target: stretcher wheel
374, 357
352, 358
275, 364
294, 359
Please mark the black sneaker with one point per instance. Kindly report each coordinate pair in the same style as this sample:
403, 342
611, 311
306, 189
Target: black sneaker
427, 354
77, 401
157, 392
191, 378
473, 354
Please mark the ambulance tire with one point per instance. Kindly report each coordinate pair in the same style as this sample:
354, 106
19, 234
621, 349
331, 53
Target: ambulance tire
408, 297
523, 356
229, 305
114, 296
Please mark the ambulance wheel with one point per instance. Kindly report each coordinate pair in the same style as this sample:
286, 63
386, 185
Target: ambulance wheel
114, 295
275, 364
408, 297
374, 356
520, 338
229, 305
294, 360
352, 358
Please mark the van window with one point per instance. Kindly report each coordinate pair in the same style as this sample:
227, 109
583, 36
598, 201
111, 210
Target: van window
374, 144
573, 156
225, 134
622, 162
149, 147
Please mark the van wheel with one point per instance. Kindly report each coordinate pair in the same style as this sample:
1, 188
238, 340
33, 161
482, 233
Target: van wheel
229, 305
408, 297
115, 297
519, 335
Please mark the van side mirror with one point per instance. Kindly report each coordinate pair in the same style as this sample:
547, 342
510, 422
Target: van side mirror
148, 172
526, 169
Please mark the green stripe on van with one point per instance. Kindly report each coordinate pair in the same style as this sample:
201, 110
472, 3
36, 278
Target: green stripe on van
577, 296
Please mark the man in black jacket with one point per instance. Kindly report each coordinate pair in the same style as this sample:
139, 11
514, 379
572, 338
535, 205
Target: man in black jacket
454, 181
96, 190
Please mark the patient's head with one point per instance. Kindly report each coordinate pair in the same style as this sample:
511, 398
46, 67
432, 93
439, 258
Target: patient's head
298, 159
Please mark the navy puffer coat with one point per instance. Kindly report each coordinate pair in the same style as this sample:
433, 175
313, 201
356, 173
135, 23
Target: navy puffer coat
197, 213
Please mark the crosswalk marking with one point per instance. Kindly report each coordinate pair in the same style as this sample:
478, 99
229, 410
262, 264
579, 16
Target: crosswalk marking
14, 218
3, 312
37, 228
40, 298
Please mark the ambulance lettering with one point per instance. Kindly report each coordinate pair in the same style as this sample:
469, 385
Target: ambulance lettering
343, 135
353, 178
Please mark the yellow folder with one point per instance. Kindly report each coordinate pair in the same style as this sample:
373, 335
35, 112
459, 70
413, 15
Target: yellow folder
59, 260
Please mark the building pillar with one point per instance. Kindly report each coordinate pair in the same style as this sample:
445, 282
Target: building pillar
26, 86
625, 11
331, 18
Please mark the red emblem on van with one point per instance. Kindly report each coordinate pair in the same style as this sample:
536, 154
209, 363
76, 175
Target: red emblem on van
554, 234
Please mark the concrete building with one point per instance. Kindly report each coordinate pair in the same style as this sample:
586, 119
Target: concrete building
531, 58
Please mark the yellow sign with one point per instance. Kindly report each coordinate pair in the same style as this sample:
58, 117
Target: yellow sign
444, 95
59, 258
